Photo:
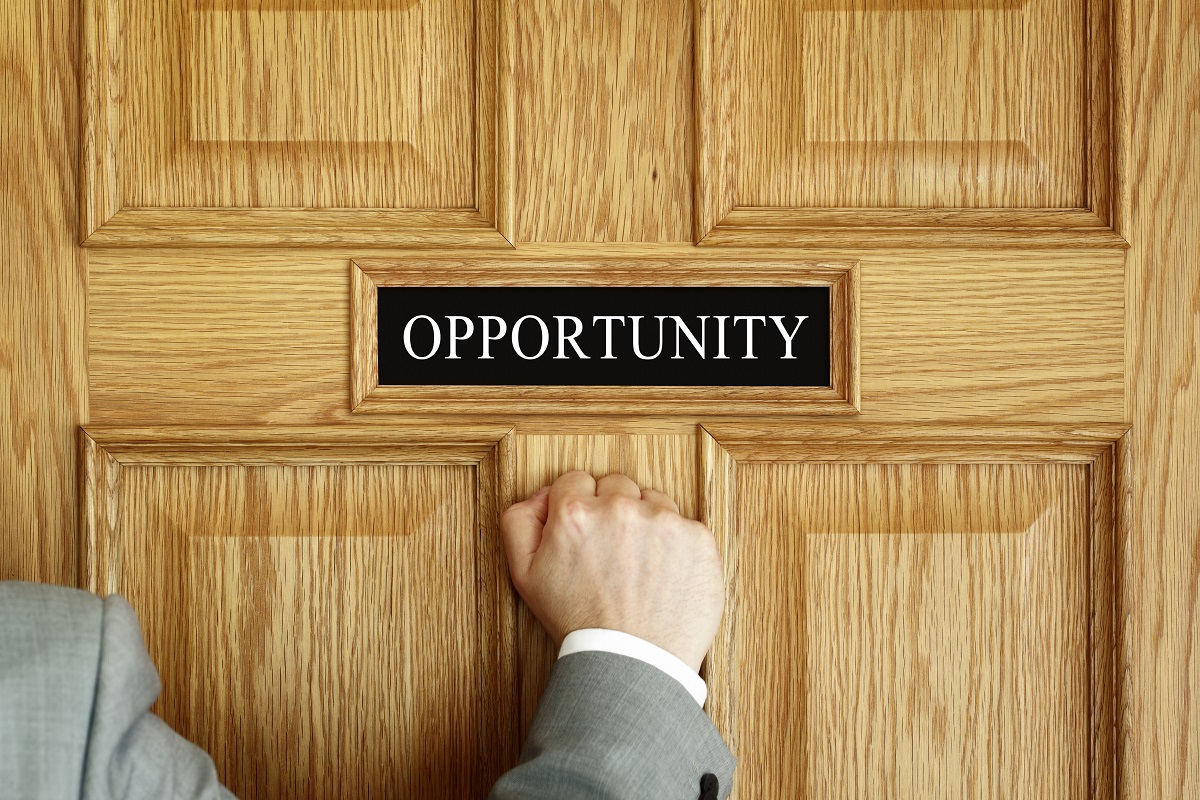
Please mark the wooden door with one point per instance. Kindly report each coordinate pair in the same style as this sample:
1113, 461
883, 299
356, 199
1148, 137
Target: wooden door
957, 571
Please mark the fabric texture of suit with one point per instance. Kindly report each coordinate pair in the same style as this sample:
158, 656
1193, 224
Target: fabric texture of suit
76, 686
610, 726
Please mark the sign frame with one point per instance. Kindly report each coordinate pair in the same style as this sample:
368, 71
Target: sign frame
368, 396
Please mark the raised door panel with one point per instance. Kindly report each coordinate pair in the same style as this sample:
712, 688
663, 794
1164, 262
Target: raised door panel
822, 119
936, 624
291, 122
328, 620
911, 105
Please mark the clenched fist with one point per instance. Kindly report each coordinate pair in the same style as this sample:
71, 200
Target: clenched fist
607, 554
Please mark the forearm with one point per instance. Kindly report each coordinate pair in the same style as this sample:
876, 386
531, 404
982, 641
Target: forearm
610, 726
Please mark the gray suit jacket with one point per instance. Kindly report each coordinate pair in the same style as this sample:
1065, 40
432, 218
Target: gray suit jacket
76, 686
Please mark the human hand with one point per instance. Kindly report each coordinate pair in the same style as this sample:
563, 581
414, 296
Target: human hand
606, 554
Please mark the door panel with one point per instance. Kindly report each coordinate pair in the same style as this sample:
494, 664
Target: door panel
921, 124
916, 619
292, 122
919, 629
912, 104
322, 629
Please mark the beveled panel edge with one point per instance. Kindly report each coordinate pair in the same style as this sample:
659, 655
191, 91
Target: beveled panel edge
338, 444
904, 228
853, 442
497, 605
105, 220
717, 474
272, 227
1106, 159
99, 506
841, 397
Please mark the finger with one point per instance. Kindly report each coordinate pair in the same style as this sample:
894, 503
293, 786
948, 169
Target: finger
572, 484
657, 498
617, 484
521, 526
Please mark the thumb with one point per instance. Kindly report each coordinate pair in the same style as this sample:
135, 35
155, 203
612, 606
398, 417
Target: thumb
522, 526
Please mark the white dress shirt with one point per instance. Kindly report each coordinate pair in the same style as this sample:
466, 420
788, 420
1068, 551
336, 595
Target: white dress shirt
628, 645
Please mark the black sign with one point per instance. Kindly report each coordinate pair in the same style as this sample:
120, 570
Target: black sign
601, 336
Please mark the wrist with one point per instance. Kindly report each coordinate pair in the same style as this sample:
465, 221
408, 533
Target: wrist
627, 644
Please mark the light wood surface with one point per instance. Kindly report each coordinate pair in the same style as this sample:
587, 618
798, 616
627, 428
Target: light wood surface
1160, 718
973, 105
1010, 335
320, 627
374, 109
43, 281
953, 336
604, 134
920, 630
808, 114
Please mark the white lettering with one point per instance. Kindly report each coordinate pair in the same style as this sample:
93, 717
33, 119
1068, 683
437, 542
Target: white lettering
563, 337
487, 340
721, 337
681, 326
454, 337
788, 337
637, 349
749, 333
437, 337
516, 340
608, 323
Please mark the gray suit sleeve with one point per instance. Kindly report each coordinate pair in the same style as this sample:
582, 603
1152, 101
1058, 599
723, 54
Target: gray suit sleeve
76, 686
610, 726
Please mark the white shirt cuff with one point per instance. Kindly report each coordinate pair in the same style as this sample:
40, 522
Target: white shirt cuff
625, 644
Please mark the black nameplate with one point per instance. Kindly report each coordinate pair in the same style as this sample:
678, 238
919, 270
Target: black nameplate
585, 336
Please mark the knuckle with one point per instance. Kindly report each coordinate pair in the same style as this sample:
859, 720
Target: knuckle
573, 509
624, 508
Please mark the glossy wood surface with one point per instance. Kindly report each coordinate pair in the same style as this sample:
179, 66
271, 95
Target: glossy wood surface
320, 623
809, 114
994, 334
215, 122
1160, 714
912, 631
955, 336
603, 123
43, 284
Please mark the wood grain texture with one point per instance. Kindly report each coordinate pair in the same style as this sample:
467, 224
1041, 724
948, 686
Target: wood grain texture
944, 336
858, 441
921, 105
841, 396
371, 111
663, 462
1160, 723
913, 630
288, 609
814, 113
43, 280
604, 129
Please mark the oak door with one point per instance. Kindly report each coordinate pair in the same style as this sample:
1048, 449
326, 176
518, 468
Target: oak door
921, 558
